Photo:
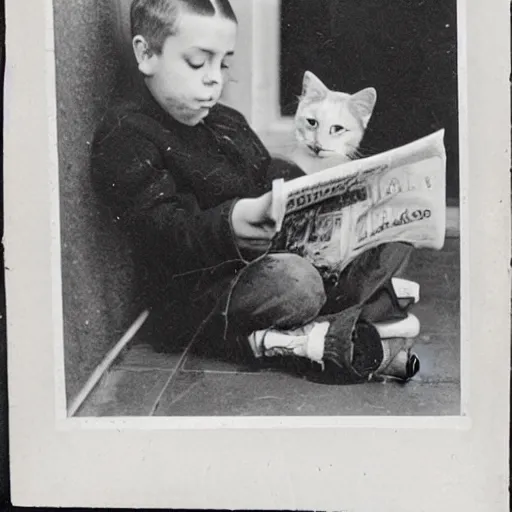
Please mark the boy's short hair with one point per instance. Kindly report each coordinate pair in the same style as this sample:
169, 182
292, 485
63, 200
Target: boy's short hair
155, 20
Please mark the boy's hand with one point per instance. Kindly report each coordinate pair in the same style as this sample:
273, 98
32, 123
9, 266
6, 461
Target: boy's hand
252, 223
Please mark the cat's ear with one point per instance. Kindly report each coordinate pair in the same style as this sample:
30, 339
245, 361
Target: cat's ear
364, 103
312, 87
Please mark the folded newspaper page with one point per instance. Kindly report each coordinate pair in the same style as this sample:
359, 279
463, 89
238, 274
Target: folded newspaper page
333, 216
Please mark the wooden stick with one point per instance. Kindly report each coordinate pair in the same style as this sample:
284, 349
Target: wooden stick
106, 363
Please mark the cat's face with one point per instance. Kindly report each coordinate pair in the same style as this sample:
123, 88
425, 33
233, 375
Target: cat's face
329, 123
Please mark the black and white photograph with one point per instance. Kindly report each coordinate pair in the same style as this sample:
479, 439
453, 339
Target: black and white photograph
257, 254
259, 207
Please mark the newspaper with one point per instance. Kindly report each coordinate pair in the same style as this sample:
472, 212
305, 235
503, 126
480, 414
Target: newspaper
333, 216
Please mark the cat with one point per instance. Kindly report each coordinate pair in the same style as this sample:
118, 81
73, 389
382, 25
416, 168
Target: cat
329, 125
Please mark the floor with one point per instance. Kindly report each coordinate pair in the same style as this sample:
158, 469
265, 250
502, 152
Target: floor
143, 382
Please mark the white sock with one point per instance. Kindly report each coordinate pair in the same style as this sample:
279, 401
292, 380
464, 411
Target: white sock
308, 341
405, 288
407, 328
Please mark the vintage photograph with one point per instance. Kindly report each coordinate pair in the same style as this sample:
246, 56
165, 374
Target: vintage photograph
259, 207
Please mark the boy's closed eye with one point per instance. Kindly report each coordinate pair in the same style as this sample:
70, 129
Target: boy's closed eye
198, 64
198, 60
195, 63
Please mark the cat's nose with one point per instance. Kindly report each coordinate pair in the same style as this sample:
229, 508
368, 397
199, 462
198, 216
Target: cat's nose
315, 148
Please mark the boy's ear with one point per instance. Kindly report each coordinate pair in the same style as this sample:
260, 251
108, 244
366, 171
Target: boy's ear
146, 58
312, 87
364, 103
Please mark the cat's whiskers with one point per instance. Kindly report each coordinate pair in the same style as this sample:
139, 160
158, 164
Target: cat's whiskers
354, 154
365, 152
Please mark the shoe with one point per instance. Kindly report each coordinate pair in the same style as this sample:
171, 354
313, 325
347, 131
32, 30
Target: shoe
398, 361
407, 328
307, 342
345, 349
351, 360
348, 350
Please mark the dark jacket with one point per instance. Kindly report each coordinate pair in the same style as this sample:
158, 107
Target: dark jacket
171, 189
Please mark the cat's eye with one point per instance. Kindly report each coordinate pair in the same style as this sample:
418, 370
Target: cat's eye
312, 122
337, 128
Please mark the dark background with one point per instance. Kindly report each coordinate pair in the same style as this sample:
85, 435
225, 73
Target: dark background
406, 49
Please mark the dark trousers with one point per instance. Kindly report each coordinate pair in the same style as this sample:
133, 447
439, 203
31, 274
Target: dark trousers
285, 291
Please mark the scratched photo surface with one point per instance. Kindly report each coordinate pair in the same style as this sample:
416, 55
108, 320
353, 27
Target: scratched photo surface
122, 358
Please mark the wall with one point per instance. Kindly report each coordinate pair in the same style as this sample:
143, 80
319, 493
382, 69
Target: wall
96, 265
92, 44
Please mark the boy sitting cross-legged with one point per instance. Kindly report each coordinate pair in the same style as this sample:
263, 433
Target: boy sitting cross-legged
188, 181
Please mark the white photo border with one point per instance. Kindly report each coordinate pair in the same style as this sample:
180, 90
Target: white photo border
259, 9
259, 463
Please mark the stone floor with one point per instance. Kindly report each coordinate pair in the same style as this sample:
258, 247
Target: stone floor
144, 382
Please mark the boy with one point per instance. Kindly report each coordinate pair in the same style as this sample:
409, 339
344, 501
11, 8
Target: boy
188, 181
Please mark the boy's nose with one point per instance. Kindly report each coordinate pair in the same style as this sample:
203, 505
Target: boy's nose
213, 77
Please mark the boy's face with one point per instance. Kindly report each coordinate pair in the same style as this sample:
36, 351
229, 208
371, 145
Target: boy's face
187, 78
